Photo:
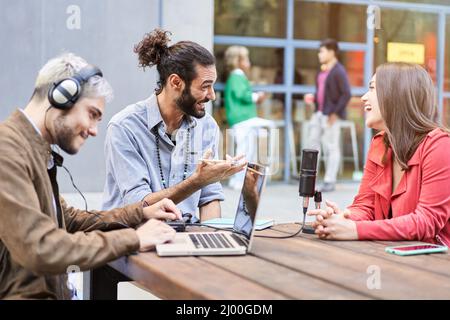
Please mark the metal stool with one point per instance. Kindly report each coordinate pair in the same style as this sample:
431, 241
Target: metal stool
343, 124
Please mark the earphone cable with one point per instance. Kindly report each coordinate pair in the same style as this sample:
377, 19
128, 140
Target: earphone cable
98, 216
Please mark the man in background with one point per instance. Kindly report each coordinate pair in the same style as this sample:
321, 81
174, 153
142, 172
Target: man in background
331, 98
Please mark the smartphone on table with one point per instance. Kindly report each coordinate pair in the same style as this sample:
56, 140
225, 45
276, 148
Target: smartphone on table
418, 248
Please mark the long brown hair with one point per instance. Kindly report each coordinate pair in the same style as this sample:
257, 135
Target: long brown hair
407, 101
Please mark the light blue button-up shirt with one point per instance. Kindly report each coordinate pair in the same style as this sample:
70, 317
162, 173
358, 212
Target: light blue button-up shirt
132, 170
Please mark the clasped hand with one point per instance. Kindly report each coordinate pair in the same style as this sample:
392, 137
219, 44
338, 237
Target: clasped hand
334, 224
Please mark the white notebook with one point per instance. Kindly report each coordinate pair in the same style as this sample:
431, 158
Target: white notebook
228, 223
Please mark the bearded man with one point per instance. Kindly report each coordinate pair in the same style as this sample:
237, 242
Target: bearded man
153, 147
41, 236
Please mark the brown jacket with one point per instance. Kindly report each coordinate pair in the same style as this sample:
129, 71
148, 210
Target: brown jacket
34, 253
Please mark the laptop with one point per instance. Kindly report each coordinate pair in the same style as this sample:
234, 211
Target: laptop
225, 242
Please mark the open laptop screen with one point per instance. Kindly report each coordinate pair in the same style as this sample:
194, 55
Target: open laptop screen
255, 176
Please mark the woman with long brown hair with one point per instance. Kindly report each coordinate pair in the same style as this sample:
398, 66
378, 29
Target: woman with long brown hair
405, 190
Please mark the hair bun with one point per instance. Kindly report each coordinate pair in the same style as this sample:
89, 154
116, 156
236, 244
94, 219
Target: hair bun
152, 48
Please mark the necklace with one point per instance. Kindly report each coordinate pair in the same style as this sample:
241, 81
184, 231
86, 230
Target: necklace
186, 155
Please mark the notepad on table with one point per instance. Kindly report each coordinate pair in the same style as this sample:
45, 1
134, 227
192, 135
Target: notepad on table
228, 223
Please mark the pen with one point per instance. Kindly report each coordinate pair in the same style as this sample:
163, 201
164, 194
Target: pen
212, 160
254, 171
233, 162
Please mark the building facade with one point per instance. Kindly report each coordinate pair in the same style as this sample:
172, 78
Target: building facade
282, 35
283, 38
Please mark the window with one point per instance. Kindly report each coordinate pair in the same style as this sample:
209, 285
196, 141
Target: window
316, 21
425, 1
447, 55
267, 64
446, 113
307, 65
256, 18
407, 27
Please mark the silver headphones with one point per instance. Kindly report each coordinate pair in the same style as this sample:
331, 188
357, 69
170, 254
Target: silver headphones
65, 93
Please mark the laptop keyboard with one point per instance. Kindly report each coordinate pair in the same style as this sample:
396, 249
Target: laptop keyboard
213, 240
242, 242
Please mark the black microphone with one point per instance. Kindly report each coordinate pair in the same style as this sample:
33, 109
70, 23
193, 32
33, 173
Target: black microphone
308, 172
307, 184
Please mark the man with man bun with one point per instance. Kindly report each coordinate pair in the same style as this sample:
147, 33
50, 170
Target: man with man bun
153, 147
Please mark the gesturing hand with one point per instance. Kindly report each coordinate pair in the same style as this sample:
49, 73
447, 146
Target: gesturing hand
208, 172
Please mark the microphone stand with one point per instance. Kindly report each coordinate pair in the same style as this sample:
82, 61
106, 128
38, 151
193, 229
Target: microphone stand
317, 202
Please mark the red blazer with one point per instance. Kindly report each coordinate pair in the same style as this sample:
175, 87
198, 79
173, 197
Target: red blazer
421, 201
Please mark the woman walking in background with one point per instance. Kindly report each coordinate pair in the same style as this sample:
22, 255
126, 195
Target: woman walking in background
240, 108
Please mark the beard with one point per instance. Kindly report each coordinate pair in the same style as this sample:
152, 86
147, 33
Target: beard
65, 135
187, 103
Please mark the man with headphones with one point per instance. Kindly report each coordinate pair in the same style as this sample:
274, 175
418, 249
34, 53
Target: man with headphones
41, 237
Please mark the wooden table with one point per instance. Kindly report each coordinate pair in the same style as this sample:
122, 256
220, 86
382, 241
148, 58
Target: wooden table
303, 267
